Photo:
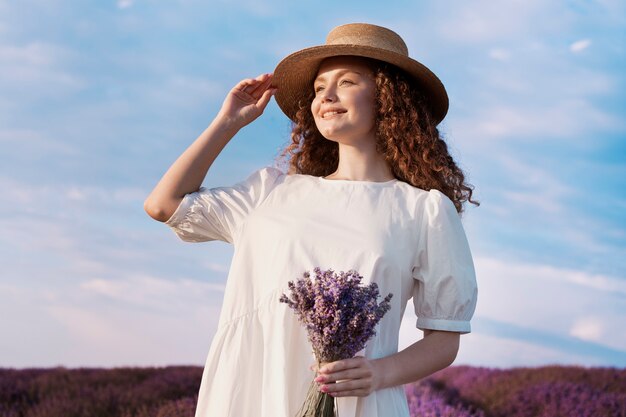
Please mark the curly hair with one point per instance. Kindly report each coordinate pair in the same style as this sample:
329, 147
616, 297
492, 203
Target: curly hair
406, 133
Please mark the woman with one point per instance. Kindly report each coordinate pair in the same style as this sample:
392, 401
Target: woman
370, 186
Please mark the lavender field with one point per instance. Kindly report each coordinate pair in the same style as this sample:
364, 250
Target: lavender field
458, 391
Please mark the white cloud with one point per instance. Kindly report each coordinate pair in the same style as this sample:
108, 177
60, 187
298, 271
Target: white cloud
217, 267
37, 65
119, 337
147, 321
534, 186
500, 54
185, 91
479, 349
580, 45
34, 142
485, 21
97, 194
548, 298
20, 193
569, 119
95, 291
89, 236
544, 300
124, 4
589, 328
144, 291
530, 200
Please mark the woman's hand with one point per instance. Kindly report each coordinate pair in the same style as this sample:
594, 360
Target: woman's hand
357, 376
246, 101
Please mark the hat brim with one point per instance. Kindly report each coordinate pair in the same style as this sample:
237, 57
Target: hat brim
294, 75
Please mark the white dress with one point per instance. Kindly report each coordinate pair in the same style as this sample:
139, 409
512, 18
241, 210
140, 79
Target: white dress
409, 241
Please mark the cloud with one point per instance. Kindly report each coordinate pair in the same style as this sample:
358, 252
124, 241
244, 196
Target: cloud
25, 194
492, 346
484, 21
588, 328
95, 232
30, 143
561, 314
499, 54
124, 4
129, 321
214, 266
482, 349
566, 119
184, 91
88, 274
550, 299
535, 187
103, 290
35, 70
145, 292
580, 45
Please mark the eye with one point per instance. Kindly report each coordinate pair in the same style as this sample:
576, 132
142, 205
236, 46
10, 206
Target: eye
346, 81
319, 88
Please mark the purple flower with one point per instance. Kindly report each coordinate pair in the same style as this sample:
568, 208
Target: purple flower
339, 313
340, 316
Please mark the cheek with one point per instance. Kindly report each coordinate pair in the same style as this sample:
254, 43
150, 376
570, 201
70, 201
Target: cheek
315, 104
367, 106
315, 108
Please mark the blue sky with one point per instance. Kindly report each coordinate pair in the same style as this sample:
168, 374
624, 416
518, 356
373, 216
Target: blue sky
97, 99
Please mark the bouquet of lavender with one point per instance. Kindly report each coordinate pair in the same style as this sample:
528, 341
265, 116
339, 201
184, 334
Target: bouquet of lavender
339, 315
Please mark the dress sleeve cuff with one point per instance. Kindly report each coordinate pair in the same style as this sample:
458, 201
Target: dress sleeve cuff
461, 326
179, 214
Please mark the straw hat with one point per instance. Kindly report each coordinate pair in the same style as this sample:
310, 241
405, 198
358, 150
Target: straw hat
294, 75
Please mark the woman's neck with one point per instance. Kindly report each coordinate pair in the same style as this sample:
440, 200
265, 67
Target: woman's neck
361, 163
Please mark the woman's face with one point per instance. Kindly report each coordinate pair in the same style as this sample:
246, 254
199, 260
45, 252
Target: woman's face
345, 93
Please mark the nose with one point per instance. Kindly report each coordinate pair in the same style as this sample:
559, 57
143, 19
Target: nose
328, 95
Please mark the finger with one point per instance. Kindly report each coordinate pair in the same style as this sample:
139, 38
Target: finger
252, 86
259, 89
244, 85
264, 77
255, 82
356, 373
342, 387
265, 98
341, 365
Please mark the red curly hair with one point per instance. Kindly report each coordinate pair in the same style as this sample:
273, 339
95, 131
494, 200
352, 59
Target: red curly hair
406, 133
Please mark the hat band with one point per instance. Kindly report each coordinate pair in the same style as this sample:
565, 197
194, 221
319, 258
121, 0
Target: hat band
370, 41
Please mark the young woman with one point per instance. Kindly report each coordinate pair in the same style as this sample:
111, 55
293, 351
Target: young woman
369, 186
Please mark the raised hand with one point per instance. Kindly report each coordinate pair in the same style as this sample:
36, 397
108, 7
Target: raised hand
247, 100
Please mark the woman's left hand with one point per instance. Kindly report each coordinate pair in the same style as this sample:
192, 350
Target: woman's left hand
357, 376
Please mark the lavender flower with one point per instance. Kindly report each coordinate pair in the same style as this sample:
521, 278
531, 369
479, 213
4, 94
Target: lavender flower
340, 316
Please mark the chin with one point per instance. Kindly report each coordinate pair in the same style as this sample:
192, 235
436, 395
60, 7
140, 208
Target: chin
342, 137
333, 136
335, 133
329, 134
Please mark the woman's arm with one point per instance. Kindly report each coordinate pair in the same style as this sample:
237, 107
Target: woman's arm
244, 103
437, 350
360, 376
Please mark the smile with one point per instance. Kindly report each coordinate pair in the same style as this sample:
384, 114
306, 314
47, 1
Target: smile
332, 113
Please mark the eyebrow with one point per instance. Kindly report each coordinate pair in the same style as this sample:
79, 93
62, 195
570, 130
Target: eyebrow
340, 73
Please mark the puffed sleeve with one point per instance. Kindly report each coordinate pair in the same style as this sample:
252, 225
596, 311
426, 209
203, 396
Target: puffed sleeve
444, 286
217, 213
